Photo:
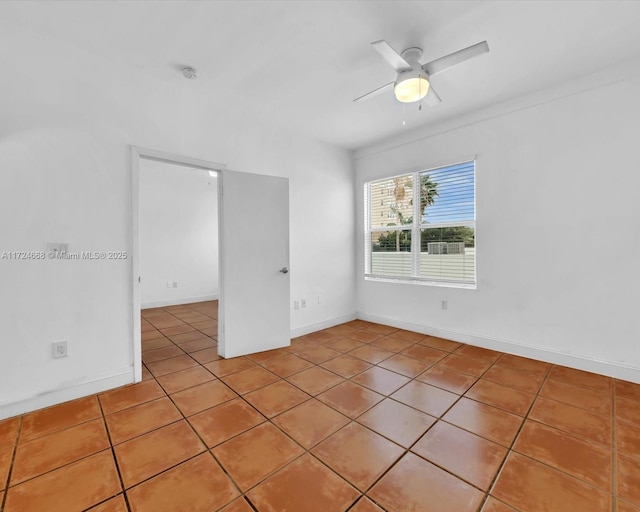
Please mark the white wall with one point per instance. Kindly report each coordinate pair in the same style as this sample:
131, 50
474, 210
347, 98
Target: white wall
66, 126
552, 180
178, 234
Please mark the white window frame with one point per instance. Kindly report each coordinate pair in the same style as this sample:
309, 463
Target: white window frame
416, 228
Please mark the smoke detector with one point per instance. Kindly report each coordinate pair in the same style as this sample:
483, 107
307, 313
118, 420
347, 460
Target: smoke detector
190, 73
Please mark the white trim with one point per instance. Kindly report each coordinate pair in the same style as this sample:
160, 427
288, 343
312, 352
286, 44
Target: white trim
416, 240
64, 394
589, 364
134, 277
171, 158
325, 324
160, 156
384, 229
424, 281
367, 227
222, 332
437, 225
177, 302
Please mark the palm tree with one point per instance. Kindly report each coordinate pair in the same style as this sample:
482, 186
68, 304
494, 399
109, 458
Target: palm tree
428, 193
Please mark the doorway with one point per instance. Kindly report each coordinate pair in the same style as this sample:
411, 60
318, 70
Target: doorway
253, 258
178, 234
179, 264
175, 246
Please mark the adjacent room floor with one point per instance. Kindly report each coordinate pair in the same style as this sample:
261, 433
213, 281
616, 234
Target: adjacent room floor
360, 417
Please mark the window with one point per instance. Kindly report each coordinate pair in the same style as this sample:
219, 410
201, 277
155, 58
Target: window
440, 246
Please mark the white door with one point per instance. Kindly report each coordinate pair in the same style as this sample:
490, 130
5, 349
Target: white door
254, 311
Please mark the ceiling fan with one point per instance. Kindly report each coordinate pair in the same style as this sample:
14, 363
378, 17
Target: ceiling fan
412, 83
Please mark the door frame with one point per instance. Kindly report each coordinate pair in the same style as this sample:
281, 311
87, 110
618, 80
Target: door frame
138, 153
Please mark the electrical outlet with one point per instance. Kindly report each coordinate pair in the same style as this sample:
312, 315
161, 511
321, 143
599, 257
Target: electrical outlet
444, 304
296, 304
303, 303
175, 284
169, 284
60, 349
319, 299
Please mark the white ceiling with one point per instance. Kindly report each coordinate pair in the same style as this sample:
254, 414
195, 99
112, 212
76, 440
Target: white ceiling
301, 63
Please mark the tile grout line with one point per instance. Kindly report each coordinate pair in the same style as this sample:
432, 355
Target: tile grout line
438, 419
406, 450
115, 459
441, 418
517, 435
305, 450
269, 421
576, 436
13, 459
614, 449
243, 494
181, 320
51, 470
184, 418
206, 446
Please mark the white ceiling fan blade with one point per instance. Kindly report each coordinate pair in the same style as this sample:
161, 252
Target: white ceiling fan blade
390, 55
375, 92
431, 99
437, 66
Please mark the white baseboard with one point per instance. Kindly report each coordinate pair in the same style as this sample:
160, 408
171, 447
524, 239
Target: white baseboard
178, 302
589, 364
57, 396
325, 324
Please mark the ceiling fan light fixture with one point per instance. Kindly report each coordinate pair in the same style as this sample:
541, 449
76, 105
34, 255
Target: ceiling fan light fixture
411, 87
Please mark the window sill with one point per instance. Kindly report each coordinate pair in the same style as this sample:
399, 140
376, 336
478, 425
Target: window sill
421, 282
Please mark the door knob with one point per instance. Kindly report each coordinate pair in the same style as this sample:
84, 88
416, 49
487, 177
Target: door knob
284, 270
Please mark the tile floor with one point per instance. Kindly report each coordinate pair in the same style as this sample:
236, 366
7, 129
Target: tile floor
360, 417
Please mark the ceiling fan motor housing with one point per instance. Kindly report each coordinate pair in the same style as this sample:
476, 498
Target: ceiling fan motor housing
411, 84
412, 55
